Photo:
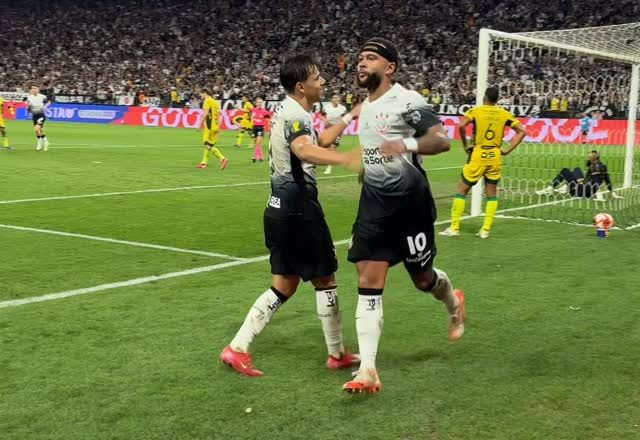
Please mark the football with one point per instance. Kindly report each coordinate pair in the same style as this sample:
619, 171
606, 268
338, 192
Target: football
603, 221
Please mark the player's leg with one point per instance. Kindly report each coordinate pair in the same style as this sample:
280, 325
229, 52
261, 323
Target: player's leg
436, 282
252, 136
372, 276
37, 131
43, 136
258, 148
565, 175
491, 178
468, 179
236, 354
5, 138
419, 251
240, 136
330, 316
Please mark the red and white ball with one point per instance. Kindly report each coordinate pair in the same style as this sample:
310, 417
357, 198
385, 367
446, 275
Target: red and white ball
603, 221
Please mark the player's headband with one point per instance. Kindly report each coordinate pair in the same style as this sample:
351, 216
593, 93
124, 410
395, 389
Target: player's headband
382, 47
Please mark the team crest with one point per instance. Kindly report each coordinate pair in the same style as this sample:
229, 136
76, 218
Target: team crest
382, 123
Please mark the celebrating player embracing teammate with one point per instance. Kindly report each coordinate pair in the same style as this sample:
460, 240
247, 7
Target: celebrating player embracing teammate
296, 233
397, 212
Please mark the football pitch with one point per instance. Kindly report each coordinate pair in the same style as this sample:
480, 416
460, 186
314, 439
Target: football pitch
125, 270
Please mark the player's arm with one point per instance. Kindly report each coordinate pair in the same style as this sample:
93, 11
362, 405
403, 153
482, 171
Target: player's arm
429, 138
330, 134
215, 115
521, 133
298, 134
462, 131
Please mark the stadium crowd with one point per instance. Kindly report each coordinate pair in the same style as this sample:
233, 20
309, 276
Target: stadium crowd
108, 48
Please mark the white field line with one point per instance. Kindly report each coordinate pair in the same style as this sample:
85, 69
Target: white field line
136, 281
179, 188
125, 242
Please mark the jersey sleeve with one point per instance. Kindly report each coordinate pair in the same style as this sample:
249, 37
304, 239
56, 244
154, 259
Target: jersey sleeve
470, 114
419, 115
296, 127
510, 120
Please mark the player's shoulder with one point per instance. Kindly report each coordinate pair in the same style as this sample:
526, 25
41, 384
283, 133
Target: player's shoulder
291, 109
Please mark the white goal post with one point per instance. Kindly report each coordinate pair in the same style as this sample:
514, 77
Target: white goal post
619, 44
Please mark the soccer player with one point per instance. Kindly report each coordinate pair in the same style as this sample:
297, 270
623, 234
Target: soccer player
333, 112
396, 211
210, 130
37, 104
296, 233
259, 116
245, 121
484, 158
3, 129
585, 124
579, 185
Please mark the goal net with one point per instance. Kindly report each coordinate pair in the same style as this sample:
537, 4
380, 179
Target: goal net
575, 91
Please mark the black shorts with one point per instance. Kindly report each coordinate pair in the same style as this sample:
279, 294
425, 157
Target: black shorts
39, 119
300, 247
395, 228
257, 131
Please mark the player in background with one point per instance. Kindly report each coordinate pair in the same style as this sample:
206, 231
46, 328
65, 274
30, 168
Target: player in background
296, 233
210, 130
333, 112
259, 116
484, 158
585, 125
396, 211
245, 121
577, 184
37, 104
3, 129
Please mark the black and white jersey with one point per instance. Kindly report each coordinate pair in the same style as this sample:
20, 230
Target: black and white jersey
334, 113
36, 103
398, 114
293, 181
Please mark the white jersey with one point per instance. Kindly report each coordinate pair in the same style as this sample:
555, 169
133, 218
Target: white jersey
334, 113
290, 121
398, 114
36, 103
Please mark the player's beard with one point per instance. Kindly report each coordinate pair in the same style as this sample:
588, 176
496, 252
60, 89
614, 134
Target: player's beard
371, 82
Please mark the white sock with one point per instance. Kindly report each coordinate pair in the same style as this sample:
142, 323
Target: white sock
443, 291
258, 317
39, 143
369, 328
331, 319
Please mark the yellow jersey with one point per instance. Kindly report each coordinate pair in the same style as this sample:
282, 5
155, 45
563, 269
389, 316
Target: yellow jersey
489, 122
211, 113
246, 118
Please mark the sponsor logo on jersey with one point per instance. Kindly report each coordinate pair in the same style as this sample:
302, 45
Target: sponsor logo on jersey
274, 202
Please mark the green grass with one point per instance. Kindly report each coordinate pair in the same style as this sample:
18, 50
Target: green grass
139, 362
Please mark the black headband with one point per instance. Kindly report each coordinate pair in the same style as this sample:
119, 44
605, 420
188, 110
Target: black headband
382, 47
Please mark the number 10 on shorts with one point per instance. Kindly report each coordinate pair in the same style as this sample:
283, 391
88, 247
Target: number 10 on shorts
417, 243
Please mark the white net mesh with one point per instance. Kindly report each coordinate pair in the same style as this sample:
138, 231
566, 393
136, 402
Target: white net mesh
559, 77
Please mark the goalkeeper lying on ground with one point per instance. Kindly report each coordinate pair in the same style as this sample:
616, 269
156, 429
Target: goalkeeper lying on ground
580, 186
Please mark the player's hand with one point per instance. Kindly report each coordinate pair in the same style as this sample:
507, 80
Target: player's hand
355, 112
352, 160
393, 148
